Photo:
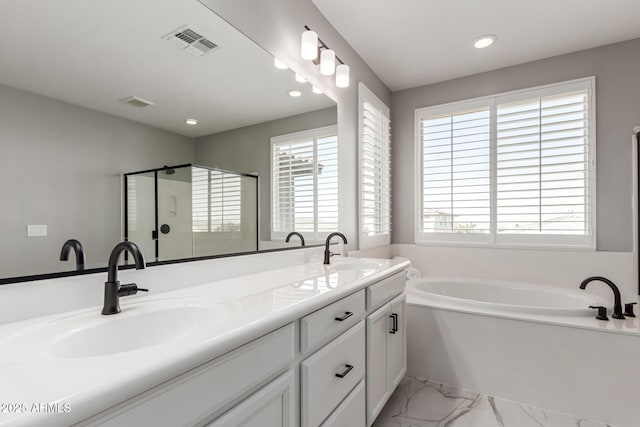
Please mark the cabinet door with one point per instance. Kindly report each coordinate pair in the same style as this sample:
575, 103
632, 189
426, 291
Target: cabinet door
351, 412
271, 406
397, 343
378, 327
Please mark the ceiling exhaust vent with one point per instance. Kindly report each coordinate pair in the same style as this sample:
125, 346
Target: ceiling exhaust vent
190, 41
135, 101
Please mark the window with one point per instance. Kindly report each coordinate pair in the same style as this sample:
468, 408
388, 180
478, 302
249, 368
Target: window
375, 170
216, 201
514, 169
304, 183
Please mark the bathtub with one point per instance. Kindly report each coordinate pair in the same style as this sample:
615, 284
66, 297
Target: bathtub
506, 297
528, 343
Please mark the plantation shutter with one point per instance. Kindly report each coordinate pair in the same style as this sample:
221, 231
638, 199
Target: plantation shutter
456, 172
375, 170
226, 201
200, 199
543, 165
305, 183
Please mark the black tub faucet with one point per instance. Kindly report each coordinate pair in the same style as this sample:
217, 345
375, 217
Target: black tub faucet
295, 233
79, 251
327, 252
617, 304
112, 288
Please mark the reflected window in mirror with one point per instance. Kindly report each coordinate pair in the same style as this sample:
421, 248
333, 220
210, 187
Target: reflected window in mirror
304, 183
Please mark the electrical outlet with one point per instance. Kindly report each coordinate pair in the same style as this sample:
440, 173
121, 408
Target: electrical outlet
36, 230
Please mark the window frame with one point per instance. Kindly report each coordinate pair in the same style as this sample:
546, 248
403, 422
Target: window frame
585, 242
366, 241
314, 134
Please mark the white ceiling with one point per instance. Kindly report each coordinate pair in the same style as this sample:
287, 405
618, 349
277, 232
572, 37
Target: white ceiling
411, 43
94, 53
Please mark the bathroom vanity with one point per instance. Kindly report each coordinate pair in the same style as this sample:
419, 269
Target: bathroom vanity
306, 345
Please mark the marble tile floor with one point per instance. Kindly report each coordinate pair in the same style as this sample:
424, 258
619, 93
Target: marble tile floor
422, 403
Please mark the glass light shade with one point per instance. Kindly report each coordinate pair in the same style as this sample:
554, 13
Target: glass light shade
279, 64
309, 47
327, 62
300, 78
342, 75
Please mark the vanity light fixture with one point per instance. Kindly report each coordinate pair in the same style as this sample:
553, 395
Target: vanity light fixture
295, 93
279, 64
316, 90
309, 47
484, 41
312, 47
191, 122
300, 78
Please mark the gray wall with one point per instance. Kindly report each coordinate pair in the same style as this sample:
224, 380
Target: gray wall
248, 150
61, 166
617, 71
276, 25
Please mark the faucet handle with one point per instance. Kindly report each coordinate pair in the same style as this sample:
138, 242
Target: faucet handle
130, 289
628, 309
602, 312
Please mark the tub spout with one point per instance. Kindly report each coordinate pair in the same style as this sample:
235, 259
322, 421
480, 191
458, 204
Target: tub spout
617, 300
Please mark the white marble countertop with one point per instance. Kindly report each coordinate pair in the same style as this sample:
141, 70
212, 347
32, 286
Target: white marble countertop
254, 304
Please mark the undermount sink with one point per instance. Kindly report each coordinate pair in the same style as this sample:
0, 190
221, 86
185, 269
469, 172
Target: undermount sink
140, 325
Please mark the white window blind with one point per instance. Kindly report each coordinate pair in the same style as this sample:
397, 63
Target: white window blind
515, 168
304, 183
375, 170
216, 200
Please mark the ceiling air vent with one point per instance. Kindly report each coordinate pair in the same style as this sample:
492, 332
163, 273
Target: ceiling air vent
190, 41
135, 101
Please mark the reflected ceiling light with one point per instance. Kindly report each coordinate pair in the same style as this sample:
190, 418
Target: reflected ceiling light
484, 41
327, 62
279, 64
316, 90
191, 122
342, 75
295, 93
309, 47
300, 78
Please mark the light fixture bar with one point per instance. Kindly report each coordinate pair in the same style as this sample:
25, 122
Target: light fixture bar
321, 46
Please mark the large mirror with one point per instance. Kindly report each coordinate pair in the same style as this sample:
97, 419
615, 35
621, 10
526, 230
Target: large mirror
98, 109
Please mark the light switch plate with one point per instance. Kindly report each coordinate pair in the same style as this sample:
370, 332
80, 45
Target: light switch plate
36, 230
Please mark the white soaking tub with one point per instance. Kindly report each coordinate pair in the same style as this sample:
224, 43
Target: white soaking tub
528, 343
509, 297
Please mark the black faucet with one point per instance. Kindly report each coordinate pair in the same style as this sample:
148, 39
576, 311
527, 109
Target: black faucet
112, 288
78, 249
327, 253
617, 300
295, 233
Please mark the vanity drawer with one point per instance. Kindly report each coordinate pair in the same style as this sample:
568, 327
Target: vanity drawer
384, 290
324, 324
202, 392
351, 412
322, 388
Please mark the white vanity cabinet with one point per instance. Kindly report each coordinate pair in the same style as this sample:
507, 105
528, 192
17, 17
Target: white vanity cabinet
386, 347
333, 367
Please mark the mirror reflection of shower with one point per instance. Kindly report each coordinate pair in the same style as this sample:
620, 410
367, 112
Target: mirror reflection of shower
191, 211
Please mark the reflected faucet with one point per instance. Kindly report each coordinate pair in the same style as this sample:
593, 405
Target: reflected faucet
327, 253
617, 305
112, 288
295, 233
77, 248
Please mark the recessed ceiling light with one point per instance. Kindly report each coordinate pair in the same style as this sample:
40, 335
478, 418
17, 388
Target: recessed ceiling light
316, 90
300, 78
279, 64
191, 122
295, 93
484, 41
